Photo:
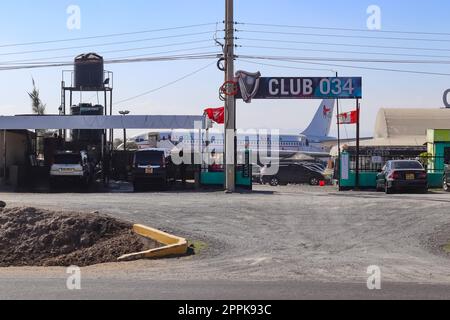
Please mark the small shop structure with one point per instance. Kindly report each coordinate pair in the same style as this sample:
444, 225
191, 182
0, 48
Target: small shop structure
438, 143
399, 134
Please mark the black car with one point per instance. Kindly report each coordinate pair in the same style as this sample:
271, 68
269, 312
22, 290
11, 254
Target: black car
151, 167
402, 175
294, 173
446, 180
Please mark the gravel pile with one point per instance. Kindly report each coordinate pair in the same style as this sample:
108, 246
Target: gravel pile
34, 237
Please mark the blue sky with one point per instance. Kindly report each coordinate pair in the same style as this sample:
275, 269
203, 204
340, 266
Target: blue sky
28, 21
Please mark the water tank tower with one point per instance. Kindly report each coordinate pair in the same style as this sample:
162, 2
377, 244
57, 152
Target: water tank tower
89, 71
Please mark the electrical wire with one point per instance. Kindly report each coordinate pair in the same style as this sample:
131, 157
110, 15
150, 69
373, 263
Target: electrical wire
108, 35
361, 67
164, 52
285, 67
343, 29
346, 52
107, 44
342, 36
343, 44
35, 61
354, 60
167, 84
199, 56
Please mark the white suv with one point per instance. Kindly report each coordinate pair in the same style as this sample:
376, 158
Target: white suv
71, 166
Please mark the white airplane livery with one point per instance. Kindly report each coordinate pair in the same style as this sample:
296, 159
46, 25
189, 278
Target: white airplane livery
308, 142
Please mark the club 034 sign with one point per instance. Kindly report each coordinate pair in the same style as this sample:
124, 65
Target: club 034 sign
309, 88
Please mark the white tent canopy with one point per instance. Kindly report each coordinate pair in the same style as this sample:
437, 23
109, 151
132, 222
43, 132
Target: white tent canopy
100, 122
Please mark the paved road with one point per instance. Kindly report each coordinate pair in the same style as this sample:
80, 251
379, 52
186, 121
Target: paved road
215, 290
284, 235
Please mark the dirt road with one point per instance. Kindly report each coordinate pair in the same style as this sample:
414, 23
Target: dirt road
280, 234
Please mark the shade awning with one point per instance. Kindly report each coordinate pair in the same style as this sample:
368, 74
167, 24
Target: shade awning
100, 122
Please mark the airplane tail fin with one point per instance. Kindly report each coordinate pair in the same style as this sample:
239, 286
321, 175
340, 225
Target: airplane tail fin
321, 124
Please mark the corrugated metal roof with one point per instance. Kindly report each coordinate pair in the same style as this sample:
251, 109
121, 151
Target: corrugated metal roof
404, 123
405, 127
100, 122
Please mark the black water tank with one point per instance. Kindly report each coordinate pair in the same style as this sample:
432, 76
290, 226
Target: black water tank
89, 71
87, 137
87, 109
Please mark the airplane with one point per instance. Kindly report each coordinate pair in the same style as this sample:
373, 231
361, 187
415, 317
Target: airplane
309, 142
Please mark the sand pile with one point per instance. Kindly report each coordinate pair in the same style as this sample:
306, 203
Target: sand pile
34, 237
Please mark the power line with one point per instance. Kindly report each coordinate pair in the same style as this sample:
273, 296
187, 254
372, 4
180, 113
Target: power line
107, 44
360, 67
346, 52
344, 44
342, 36
354, 60
33, 61
167, 84
165, 52
114, 58
287, 67
107, 35
198, 56
343, 29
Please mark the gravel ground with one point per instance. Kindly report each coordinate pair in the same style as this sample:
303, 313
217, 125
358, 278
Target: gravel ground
281, 234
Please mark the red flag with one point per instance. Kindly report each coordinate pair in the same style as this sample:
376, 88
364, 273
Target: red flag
216, 114
348, 118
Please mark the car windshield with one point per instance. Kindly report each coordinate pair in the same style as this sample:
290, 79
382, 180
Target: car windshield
146, 158
67, 159
406, 165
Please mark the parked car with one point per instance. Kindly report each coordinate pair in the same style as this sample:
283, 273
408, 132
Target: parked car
446, 180
402, 175
294, 173
72, 167
151, 167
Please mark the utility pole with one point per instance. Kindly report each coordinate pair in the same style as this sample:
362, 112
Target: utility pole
358, 125
339, 139
230, 102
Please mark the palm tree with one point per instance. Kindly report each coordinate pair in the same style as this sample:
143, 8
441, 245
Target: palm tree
36, 103
38, 108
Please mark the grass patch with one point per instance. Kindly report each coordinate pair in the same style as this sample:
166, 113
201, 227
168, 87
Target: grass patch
198, 246
447, 248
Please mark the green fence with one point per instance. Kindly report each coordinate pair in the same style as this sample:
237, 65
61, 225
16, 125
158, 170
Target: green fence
371, 165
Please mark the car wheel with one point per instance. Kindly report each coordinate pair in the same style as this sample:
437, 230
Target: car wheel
314, 182
274, 182
445, 185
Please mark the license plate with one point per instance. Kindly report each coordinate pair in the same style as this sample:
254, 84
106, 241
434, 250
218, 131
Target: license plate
410, 176
149, 171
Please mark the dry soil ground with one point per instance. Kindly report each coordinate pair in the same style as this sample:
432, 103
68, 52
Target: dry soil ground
275, 234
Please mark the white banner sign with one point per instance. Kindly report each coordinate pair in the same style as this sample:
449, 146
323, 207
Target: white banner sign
345, 169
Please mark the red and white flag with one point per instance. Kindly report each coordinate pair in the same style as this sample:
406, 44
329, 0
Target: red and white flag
216, 114
348, 118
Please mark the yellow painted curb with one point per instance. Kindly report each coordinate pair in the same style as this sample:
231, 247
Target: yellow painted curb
173, 245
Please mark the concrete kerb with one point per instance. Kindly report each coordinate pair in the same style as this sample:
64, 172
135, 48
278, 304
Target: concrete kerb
173, 245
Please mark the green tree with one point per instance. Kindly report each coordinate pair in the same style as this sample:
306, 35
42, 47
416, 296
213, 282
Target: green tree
36, 103
38, 108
